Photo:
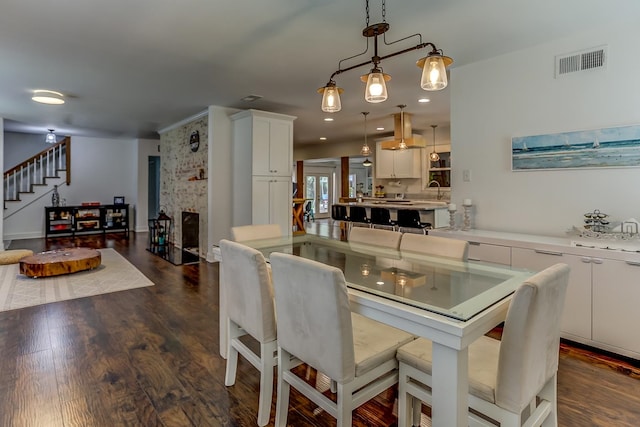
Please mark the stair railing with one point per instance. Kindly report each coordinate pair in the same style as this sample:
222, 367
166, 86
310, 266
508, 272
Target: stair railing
36, 169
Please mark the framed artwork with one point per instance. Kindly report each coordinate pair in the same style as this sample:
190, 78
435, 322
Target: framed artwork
118, 200
606, 147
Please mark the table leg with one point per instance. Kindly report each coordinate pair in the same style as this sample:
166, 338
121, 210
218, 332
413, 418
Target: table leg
450, 386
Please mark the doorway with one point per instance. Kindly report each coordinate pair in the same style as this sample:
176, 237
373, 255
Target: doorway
318, 188
153, 198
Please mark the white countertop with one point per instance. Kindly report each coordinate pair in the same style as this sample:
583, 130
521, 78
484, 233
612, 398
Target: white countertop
399, 204
590, 247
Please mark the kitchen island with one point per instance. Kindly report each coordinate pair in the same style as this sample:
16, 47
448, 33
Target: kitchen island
434, 212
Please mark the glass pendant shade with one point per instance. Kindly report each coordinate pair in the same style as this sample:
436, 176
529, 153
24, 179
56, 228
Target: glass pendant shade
331, 99
434, 156
51, 137
376, 89
365, 150
434, 73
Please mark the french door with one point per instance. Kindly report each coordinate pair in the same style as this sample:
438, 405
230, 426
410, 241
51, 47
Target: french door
318, 188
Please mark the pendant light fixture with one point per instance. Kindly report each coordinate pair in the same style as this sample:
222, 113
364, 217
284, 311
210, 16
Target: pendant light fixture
365, 150
434, 156
51, 137
434, 75
403, 143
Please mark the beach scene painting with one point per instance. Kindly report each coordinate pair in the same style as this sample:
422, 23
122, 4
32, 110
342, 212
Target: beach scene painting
608, 147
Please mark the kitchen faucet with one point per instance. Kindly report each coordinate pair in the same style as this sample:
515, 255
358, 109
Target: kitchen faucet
439, 196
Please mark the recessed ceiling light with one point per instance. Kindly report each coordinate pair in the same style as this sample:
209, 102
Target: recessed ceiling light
380, 128
323, 138
251, 98
48, 97
423, 100
328, 119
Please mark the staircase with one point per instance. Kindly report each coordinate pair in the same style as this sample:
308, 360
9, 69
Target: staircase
35, 177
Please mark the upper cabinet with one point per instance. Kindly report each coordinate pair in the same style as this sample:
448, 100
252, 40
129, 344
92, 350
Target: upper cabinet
266, 138
398, 163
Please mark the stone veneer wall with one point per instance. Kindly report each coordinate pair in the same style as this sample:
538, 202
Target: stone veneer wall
181, 188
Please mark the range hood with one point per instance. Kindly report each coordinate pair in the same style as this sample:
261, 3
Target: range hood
412, 141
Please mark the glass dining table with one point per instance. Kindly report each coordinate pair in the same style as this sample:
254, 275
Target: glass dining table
451, 303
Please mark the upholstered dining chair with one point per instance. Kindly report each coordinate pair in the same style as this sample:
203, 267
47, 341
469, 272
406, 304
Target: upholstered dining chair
248, 298
316, 326
375, 237
243, 233
512, 381
435, 246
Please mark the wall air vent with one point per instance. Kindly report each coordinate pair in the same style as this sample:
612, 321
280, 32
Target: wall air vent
584, 60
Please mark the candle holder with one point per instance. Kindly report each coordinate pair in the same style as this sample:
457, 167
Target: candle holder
466, 224
452, 219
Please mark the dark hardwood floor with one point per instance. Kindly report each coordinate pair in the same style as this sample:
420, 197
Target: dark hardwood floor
150, 357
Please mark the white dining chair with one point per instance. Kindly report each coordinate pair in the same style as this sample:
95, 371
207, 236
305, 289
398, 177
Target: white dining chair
316, 326
248, 299
375, 236
513, 380
435, 246
242, 233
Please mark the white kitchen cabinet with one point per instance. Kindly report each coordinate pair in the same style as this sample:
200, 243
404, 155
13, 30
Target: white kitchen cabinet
487, 252
576, 317
266, 139
262, 167
272, 201
398, 163
616, 292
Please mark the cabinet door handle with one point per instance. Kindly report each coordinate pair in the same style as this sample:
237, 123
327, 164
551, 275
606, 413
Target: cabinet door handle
539, 251
585, 259
597, 260
634, 263
475, 243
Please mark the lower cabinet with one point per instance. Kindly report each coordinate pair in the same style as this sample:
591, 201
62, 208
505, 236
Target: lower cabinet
271, 202
616, 292
487, 252
576, 317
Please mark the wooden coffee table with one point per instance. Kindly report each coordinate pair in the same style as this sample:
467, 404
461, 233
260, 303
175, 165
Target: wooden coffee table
61, 261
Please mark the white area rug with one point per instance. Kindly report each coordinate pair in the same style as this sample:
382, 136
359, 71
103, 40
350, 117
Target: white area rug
115, 274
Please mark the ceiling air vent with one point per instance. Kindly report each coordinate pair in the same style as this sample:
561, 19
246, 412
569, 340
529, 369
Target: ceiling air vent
584, 60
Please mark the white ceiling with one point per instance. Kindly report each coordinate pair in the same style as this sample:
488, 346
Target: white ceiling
130, 68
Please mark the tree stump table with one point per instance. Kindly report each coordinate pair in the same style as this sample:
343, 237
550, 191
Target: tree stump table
62, 261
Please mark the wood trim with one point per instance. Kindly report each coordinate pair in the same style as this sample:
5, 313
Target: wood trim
300, 179
68, 158
344, 175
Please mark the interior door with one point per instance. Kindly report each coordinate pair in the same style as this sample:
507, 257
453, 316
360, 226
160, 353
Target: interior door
319, 188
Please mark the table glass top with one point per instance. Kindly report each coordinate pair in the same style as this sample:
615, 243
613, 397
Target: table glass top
459, 290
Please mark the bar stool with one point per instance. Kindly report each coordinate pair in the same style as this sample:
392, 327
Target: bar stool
382, 217
339, 213
358, 215
410, 218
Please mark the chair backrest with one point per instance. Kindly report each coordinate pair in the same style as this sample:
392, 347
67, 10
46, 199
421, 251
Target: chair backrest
375, 237
339, 213
408, 218
314, 317
435, 246
243, 233
248, 292
358, 214
380, 215
531, 338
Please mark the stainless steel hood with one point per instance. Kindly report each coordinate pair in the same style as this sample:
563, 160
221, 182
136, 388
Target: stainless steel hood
412, 141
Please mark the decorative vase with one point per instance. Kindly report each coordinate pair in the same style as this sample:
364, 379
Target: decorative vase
55, 197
